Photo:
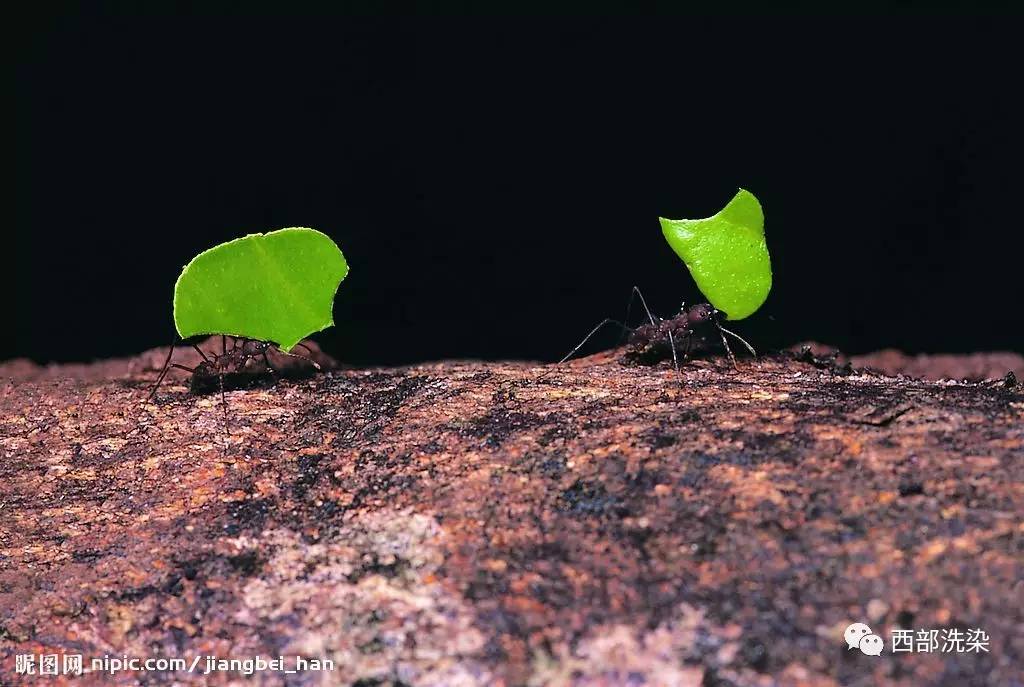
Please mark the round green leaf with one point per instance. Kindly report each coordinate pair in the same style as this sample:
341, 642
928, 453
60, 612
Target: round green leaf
726, 254
275, 287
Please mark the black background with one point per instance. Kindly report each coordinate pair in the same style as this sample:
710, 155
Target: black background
495, 183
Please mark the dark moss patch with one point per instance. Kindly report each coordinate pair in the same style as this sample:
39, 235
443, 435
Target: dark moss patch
499, 424
589, 499
310, 472
247, 563
249, 514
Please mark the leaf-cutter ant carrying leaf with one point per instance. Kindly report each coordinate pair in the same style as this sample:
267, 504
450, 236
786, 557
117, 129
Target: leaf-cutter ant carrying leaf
267, 291
678, 336
236, 363
728, 258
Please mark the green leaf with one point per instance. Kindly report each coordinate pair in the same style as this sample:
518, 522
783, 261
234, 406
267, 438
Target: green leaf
275, 287
726, 254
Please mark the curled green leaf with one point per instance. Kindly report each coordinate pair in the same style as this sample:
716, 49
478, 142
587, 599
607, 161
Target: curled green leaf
276, 287
726, 254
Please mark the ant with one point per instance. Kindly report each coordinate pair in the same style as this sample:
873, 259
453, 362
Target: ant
229, 363
650, 340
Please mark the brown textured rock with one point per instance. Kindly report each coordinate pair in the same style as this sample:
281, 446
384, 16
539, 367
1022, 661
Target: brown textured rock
973, 367
513, 524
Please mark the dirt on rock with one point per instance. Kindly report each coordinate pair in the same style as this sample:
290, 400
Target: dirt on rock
465, 523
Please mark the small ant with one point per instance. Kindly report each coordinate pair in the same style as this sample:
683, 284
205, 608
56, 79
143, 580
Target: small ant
229, 363
649, 341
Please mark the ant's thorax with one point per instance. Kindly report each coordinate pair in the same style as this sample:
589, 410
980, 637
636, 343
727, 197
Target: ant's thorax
686, 330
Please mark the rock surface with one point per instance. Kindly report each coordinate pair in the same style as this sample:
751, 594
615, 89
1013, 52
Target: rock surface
972, 367
511, 524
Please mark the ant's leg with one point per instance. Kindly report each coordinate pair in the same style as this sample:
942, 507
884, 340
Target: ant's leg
672, 343
223, 345
625, 319
300, 357
270, 368
241, 354
163, 374
722, 331
308, 349
241, 361
593, 331
728, 350
629, 307
643, 302
227, 423
200, 352
163, 371
740, 339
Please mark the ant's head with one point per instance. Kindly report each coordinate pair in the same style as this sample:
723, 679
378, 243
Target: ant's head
701, 312
205, 368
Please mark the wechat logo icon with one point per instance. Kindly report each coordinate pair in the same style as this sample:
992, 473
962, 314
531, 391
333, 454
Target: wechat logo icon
860, 636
